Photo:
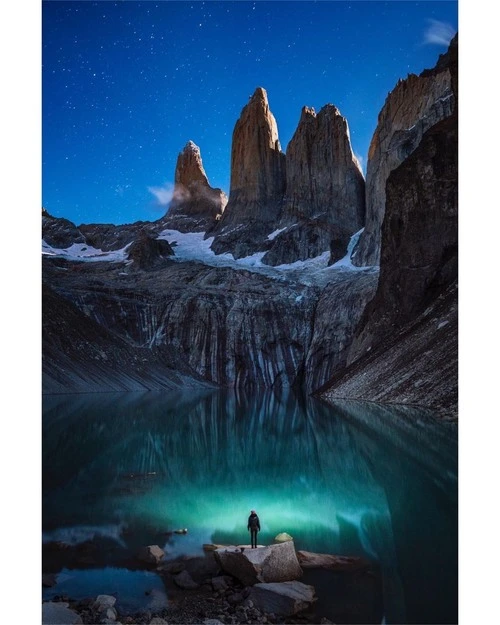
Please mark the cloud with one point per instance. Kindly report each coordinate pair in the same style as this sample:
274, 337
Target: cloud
440, 33
163, 194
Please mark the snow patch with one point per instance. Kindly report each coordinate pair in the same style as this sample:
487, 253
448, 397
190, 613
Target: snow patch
442, 324
82, 251
274, 234
346, 262
191, 246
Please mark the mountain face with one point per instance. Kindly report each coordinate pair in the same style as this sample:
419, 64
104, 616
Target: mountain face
314, 195
408, 333
195, 205
414, 106
324, 204
59, 232
153, 317
189, 322
258, 179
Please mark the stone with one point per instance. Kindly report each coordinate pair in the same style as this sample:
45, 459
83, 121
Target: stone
110, 613
284, 599
195, 205
410, 109
211, 547
157, 620
184, 580
173, 567
258, 181
274, 563
58, 613
152, 554
282, 537
219, 583
310, 560
235, 598
103, 602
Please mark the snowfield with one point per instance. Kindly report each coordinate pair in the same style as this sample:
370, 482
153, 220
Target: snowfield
81, 251
190, 246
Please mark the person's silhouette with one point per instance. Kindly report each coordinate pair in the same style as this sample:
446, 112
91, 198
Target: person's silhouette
253, 526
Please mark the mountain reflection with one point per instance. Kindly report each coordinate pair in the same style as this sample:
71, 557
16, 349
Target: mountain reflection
337, 479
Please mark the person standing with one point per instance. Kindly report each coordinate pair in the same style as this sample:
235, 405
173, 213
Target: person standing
254, 527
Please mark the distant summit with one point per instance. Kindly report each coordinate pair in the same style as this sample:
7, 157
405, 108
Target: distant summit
195, 206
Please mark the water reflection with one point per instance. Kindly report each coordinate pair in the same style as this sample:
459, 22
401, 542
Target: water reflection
357, 480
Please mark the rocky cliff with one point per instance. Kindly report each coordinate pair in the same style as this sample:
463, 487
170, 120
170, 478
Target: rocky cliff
83, 355
224, 326
59, 232
324, 203
178, 321
195, 205
414, 106
258, 180
406, 348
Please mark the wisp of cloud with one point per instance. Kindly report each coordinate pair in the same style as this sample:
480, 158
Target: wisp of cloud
440, 33
163, 194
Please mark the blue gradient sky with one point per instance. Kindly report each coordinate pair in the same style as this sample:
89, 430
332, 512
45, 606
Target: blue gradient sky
126, 84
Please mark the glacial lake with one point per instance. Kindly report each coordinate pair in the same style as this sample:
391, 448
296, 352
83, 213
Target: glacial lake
120, 471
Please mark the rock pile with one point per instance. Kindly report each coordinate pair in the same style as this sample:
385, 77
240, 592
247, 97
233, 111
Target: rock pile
201, 591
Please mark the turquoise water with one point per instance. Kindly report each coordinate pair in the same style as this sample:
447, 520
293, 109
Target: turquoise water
125, 470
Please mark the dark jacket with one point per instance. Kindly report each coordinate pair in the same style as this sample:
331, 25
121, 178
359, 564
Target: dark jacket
253, 522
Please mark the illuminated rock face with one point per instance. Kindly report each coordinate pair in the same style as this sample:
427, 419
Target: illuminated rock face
274, 563
406, 345
411, 108
195, 205
258, 180
324, 203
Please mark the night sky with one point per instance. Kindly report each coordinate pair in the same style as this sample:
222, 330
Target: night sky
125, 85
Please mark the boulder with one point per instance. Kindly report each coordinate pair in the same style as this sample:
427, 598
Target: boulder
274, 563
283, 537
211, 547
58, 613
219, 583
173, 567
184, 580
284, 599
310, 560
110, 614
152, 554
103, 602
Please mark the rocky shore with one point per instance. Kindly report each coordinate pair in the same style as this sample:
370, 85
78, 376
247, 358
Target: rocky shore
228, 585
